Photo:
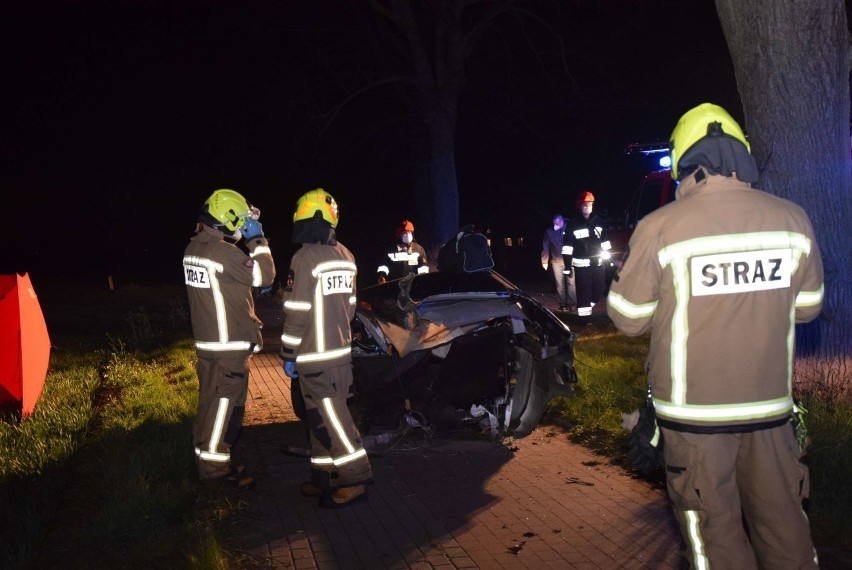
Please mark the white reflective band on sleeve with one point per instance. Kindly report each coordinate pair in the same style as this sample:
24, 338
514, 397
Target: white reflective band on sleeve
810, 298
383, 269
324, 460
606, 245
260, 250
567, 250
291, 340
741, 272
256, 275
629, 309
353, 299
297, 305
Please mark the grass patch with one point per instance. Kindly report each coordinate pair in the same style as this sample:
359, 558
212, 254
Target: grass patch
612, 380
102, 473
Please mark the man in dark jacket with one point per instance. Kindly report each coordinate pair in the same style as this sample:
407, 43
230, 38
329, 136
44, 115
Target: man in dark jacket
551, 255
219, 277
720, 277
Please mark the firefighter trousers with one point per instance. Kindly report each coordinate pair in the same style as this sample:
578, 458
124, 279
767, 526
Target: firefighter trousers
222, 389
738, 498
336, 451
590, 283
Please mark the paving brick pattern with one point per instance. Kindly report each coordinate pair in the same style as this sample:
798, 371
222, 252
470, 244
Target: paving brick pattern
538, 502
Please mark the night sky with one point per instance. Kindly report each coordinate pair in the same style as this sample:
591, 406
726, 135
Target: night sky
120, 118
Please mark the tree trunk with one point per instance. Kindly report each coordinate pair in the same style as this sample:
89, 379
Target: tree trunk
439, 77
444, 182
792, 68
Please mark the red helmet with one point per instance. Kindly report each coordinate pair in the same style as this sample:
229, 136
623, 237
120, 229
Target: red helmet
585, 196
405, 226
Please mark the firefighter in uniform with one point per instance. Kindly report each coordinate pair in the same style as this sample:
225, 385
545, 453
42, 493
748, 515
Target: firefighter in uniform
585, 253
219, 278
720, 277
404, 257
319, 303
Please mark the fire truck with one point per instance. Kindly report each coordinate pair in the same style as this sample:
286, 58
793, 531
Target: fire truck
655, 189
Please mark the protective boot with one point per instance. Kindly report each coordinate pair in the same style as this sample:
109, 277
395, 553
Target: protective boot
240, 478
208, 470
321, 482
343, 497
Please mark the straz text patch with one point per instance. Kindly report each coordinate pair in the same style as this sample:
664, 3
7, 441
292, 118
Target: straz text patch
337, 282
741, 272
196, 276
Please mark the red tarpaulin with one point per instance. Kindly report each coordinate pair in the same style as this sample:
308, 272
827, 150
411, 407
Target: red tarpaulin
24, 344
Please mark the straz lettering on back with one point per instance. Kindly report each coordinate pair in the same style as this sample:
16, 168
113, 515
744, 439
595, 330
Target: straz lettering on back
196, 276
337, 282
741, 272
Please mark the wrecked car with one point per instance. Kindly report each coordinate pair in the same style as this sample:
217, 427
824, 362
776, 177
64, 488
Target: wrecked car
445, 347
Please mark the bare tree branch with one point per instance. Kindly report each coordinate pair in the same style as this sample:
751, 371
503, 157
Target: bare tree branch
332, 114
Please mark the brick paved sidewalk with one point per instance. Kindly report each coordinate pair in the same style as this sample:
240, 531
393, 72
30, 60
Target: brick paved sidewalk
538, 502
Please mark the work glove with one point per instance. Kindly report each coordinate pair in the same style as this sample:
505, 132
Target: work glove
645, 446
567, 272
251, 229
290, 369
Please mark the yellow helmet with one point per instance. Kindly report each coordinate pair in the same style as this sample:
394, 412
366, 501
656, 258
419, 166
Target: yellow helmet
313, 201
228, 208
695, 124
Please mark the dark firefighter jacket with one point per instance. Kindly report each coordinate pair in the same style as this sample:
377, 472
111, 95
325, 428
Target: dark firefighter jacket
585, 242
551, 245
401, 259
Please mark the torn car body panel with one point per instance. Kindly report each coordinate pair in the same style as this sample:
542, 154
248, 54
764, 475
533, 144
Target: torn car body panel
457, 346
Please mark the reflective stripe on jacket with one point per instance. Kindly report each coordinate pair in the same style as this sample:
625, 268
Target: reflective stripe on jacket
721, 276
585, 241
319, 306
219, 277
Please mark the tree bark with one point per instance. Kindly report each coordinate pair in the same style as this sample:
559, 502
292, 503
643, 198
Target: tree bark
791, 60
